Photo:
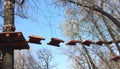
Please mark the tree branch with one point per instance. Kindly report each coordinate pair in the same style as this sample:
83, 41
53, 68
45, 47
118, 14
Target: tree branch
100, 10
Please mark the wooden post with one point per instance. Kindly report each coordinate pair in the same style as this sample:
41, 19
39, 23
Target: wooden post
8, 52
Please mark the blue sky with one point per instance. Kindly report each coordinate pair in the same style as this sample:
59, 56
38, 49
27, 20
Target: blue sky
45, 22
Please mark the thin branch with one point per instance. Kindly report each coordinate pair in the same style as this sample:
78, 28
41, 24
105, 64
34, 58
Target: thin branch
100, 10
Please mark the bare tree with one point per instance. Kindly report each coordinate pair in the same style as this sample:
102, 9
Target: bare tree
45, 58
93, 20
41, 59
25, 60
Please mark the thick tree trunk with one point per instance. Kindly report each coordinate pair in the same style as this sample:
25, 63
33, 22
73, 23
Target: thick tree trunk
8, 58
8, 52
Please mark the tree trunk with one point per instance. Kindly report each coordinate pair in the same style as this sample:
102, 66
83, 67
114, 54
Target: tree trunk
88, 56
103, 36
111, 34
8, 52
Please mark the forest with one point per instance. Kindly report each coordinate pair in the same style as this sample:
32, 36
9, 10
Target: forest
83, 20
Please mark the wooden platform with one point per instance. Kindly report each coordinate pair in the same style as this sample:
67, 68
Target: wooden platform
15, 40
35, 39
73, 42
55, 42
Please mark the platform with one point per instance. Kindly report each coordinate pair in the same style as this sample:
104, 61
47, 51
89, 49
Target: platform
14, 40
55, 42
35, 39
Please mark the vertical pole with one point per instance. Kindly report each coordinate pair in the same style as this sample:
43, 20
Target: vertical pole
8, 52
